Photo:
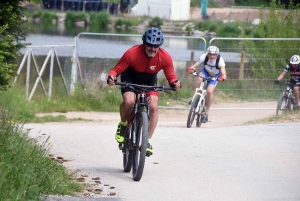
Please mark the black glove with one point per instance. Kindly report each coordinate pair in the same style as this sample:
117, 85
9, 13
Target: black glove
109, 78
173, 84
276, 81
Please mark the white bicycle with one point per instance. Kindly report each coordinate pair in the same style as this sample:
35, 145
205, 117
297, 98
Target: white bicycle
197, 106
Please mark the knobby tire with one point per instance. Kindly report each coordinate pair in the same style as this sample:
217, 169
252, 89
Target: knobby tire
192, 112
127, 153
202, 110
139, 154
282, 104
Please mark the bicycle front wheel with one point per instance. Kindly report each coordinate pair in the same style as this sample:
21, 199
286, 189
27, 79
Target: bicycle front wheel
127, 152
192, 112
202, 110
282, 104
139, 153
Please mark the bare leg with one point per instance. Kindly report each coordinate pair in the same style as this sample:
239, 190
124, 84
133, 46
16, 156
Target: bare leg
126, 105
199, 81
210, 97
153, 115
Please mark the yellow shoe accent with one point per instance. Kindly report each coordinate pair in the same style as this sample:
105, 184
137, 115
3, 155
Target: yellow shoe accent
120, 132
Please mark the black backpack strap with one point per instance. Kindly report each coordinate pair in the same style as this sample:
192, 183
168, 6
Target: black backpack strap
217, 62
205, 60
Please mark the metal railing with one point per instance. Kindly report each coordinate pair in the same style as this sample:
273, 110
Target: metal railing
51, 56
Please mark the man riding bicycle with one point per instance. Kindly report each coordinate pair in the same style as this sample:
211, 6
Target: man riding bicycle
214, 65
140, 65
294, 68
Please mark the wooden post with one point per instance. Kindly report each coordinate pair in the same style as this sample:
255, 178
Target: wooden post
242, 65
192, 58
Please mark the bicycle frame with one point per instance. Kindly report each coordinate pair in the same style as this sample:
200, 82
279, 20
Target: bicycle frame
140, 104
287, 97
198, 102
136, 135
202, 92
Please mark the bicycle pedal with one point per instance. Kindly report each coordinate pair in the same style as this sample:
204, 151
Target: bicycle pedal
120, 146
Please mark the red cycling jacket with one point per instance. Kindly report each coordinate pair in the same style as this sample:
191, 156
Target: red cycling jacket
143, 67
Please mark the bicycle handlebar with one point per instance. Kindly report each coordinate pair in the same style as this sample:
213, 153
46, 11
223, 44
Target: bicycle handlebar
144, 88
205, 78
285, 83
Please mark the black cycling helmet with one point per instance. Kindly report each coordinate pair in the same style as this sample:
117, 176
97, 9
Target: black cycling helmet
153, 36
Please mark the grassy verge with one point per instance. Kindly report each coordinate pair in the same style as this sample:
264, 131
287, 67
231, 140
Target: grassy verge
27, 172
292, 116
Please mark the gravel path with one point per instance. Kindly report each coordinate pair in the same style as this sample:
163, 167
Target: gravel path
224, 162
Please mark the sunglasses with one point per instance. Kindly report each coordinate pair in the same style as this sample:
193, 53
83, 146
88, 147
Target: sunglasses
150, 45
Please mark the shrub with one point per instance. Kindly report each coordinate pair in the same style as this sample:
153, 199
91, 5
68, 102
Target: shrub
99, 19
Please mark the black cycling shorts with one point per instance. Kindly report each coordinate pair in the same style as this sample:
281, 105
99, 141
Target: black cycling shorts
139, 78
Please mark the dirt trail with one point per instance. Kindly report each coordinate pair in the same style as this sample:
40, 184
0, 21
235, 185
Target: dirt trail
221, 115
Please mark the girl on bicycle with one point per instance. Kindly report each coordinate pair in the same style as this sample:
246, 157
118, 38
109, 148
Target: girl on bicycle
214, 65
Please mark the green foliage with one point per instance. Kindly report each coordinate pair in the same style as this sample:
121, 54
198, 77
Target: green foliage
36, 14
49, 16
225, 29
211, 3
156, 22
72, 17
99, 19
27, 172
278, 24
208, 25
124, 22
10, 35
255, 3
229, 29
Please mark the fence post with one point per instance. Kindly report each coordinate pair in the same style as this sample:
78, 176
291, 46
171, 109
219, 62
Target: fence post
74, 69
242, 65
28, 75
192, 58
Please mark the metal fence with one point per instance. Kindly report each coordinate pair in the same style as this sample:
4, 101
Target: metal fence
40, 66
94, 54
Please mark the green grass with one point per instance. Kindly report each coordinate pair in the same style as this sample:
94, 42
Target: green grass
27, 171
291, 116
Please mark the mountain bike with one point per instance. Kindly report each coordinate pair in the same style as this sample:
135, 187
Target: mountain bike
137, 130
197, 106
286, 101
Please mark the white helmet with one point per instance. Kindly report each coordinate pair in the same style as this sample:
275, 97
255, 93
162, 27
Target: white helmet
212, 50
295, 59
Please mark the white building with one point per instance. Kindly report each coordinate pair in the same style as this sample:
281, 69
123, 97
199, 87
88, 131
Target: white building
166, 9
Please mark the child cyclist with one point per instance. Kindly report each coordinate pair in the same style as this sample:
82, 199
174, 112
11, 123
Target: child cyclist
213, 65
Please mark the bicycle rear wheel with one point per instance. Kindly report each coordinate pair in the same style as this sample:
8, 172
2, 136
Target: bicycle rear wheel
282, 105
192, 112
127, 152
139, 153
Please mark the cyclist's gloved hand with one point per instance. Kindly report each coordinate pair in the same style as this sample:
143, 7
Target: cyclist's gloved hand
190, 69
111, 80
221, 79
276, 81
176, 85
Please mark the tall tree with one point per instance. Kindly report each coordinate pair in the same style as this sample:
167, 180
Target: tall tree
10, 36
